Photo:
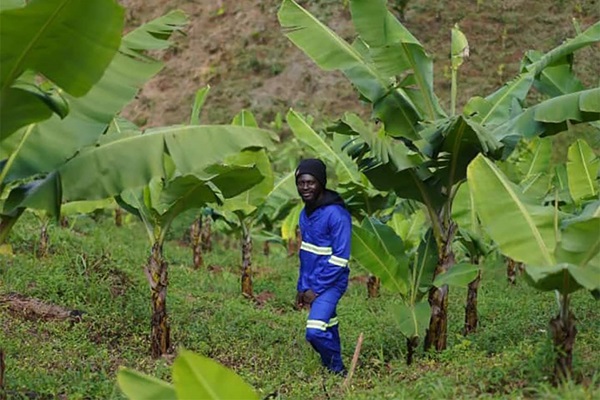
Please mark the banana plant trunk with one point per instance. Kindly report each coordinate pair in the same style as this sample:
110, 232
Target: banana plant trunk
156, 272
246, 262
411, 348
266, 248
437, 333
563, 331
511, 271
293, 245
471, 315
373, 285
118, 217
206, 234
42, 250
196, 242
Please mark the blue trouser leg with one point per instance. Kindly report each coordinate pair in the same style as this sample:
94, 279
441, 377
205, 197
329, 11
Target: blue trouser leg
322, 330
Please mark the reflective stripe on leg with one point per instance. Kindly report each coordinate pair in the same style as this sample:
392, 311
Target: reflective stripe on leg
316, 324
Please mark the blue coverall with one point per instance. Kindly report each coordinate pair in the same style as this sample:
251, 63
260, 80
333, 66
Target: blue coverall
324, 253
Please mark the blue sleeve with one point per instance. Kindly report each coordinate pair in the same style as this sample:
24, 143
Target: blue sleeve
340, 224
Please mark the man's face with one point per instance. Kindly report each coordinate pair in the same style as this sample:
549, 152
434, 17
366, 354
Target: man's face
309, 188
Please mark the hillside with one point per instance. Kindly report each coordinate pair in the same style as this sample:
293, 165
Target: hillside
238, 49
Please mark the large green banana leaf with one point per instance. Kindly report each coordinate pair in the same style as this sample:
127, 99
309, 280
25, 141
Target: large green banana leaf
523, 230
54, 141
557, 79
377, 255
583, 167
34, 40
69, 42
578, 258
131, 161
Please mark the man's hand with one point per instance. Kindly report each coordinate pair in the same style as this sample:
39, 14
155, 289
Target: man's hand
309, 297
299, 300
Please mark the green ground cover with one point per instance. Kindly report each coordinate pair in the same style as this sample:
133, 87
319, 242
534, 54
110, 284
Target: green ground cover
96, 267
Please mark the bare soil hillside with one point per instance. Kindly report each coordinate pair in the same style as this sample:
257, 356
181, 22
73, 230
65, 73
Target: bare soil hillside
236, 47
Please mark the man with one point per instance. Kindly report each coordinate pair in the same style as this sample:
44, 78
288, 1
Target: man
326, 230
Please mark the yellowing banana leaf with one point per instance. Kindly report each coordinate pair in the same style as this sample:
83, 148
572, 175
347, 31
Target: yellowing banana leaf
290, 223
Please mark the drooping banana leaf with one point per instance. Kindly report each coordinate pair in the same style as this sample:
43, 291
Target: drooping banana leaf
54, 141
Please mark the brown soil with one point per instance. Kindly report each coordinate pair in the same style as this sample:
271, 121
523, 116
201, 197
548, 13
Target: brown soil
236, 47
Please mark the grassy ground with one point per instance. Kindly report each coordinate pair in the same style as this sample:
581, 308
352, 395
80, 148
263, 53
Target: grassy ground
96, 267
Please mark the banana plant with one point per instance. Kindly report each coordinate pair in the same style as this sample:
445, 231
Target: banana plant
406, 273
218, 162
419, 151
242, 210
41, 147
560, 250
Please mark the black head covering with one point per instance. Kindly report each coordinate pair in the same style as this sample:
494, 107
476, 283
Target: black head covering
314, 167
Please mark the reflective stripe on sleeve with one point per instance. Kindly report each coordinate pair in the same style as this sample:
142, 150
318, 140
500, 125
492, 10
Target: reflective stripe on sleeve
340, 262
311, 248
